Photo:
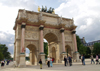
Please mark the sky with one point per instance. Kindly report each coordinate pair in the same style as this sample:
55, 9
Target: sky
86, 15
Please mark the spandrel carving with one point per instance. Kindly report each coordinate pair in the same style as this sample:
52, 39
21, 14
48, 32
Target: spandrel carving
31, 35
68, 37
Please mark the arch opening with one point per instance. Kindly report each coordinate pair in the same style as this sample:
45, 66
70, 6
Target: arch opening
32, 55
51, 38
52, 41
68, 50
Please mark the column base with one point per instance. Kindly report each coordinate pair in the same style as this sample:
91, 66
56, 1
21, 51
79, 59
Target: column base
76, 57
42, 57
22, 60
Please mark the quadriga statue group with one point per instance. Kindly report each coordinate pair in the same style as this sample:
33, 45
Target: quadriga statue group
51, 10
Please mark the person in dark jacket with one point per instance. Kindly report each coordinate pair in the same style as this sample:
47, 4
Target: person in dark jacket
65, 60
83, 59
70, 60
40, 62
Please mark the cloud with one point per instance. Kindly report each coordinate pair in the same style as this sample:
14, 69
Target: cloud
9, 11
27, 4
86, 17
8, 39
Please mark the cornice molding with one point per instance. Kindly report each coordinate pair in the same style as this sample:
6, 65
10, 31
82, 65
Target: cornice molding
38, 22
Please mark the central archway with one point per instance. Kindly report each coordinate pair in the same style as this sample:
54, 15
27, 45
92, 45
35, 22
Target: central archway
54, 54
51, 37
52, 45
32, 54
68, 50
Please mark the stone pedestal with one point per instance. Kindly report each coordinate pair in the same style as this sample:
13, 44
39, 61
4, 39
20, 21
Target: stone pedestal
42, 57
63, 54
22, 60
76, 57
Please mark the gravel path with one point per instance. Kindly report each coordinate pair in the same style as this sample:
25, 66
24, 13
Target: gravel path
77, 66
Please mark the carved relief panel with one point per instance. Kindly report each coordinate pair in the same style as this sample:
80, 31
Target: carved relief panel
31, 35
50, 20
32, 17
68, 38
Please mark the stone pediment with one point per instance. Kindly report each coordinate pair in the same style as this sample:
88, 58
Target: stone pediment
47, 19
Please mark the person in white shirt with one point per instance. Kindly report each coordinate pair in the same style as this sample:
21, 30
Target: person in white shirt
48, 63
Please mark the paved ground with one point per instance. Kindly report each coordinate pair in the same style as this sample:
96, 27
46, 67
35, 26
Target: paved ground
77, 66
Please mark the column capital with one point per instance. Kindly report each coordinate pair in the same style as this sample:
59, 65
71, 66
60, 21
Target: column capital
23, 26
62, 30
41, 27
73, 32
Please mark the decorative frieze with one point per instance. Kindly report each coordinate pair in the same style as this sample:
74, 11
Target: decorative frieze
31, 28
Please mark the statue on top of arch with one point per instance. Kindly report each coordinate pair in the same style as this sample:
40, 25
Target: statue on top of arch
51, 10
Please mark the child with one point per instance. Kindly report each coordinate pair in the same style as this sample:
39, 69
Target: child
40, 62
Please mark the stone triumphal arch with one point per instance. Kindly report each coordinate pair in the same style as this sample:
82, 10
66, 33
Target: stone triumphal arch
32, 27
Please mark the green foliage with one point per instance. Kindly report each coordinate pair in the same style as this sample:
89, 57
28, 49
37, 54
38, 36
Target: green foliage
96, 49
27, 58
46, 48
1, 56
4, 52
82, 49
88, 51
78, 42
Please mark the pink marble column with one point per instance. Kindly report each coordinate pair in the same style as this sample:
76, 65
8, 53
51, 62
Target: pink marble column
75, 42
41, 40
23, 39
63, 39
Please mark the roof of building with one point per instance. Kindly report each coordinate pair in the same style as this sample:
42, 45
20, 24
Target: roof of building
89, 43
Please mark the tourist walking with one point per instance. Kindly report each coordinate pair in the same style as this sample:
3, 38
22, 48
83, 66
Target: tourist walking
7, 62
83, 59
70, 60
51, 65
48, 63
97, 59
40, 62
2, 63
92, 59
65, 60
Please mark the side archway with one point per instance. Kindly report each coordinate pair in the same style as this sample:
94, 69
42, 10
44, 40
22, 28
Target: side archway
32, 54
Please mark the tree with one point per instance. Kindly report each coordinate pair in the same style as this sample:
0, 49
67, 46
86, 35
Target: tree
4, 52
78, 42
96, 49
46, 48
88, 51
1, 56
82, 49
